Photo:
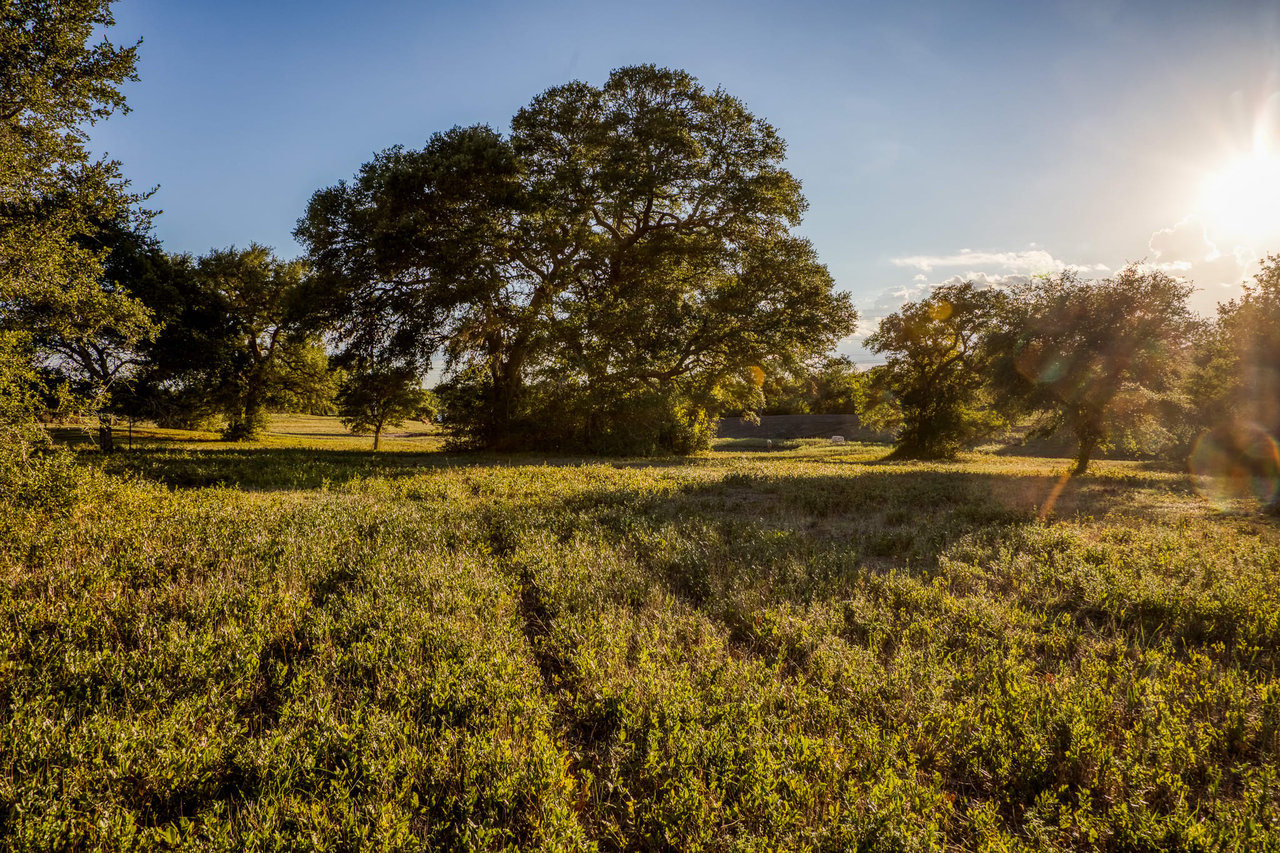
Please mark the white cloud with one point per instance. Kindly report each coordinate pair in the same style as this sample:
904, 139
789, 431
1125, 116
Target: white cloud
1030, 261
986, 281
1187, 241
891, 299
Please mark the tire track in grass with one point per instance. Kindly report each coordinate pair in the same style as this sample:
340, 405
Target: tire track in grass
586, 727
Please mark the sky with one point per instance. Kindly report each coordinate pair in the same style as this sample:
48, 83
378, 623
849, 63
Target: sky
935, 141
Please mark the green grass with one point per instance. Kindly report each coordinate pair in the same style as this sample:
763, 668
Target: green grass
272, 646
317, 432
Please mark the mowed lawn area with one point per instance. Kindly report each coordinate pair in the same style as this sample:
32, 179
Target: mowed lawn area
316, 432
300, 644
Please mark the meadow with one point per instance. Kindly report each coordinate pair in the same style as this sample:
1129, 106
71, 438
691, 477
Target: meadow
299, 644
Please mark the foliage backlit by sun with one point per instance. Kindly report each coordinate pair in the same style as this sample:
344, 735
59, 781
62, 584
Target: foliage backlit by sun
1243, 200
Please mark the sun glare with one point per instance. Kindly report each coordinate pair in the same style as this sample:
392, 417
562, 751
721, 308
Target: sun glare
1243, 200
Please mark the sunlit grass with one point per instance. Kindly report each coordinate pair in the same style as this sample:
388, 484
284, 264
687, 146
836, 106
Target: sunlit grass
796, 648
319, 432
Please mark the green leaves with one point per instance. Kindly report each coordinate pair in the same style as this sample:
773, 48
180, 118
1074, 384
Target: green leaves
932, 386
1099, 357
1103, 358
1234, 384
49, 74
236, 341
627, 241
56, 203
378, 397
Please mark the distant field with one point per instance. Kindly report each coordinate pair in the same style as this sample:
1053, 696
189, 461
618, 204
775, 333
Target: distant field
302, 644
283, 430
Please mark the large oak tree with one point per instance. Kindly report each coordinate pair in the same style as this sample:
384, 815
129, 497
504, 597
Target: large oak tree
613, 268
254, 353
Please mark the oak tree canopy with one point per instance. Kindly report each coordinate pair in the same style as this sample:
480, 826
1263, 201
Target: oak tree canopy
605, 276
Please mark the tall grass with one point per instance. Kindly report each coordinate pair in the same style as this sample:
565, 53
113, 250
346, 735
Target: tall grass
804, 650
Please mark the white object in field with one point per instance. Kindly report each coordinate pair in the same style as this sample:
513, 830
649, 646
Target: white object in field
768, 444
837, 439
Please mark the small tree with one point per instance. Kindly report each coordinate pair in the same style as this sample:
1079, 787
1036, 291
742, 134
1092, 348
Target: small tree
931, 388
1100, 358
371, 400
255, 352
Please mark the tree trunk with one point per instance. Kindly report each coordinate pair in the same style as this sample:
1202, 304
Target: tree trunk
507, 388
106, 436
246, 418
377, 433
1088, 443
252, 417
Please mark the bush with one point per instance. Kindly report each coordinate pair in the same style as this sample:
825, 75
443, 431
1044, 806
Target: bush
647, 423
566, 418
32, 470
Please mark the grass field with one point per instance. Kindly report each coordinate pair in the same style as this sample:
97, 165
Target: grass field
300, 644
284, 430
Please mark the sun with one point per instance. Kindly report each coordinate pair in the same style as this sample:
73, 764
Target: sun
1242, 201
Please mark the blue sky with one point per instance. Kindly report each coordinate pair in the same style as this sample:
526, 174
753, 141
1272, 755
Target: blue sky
934, 140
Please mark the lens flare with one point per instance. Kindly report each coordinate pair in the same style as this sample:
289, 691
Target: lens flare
1242, 463
941, 310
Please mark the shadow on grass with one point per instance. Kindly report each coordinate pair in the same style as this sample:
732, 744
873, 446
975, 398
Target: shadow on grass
268, 468
882, 517
737, 547
1066, 450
